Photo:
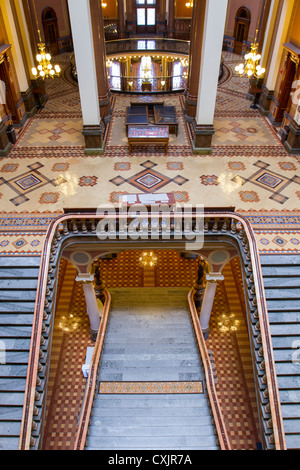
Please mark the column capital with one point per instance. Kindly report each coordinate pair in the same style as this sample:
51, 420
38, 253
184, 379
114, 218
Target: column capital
214, 277
85, 278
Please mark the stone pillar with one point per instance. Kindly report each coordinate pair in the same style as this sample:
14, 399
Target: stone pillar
121, 20
278, 24
213, 33
81, 25
197, 29
171, 19
100, 56
208, 300
91, 303
17, 51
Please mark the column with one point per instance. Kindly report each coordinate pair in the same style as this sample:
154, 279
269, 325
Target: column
208, 301
12, 27
121, 20
211, 52
197, 28
81, 25
100, 56
171, 18
91, 303
277, 27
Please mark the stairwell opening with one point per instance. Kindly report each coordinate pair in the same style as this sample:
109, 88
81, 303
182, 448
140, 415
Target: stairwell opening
228, 342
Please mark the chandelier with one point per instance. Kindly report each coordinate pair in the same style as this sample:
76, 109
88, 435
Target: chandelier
189, 4
146, 68
148, 259
44, 69
251, 67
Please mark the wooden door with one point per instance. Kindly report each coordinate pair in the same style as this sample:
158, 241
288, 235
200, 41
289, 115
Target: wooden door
51, 30
241, 29
284, 95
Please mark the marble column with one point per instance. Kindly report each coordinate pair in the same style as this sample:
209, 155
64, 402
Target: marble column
92, 305
121, 20
278, 23
197, 29
171, 19
208, 301
100, 56
211, 52
17, 51
82, 34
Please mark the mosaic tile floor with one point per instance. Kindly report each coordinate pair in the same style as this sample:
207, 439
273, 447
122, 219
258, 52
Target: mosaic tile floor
228, 344
47, 171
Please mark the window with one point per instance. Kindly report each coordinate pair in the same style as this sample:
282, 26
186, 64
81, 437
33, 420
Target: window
145, 12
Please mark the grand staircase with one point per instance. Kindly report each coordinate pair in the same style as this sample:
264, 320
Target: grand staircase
150, 345
281, 276
18, 283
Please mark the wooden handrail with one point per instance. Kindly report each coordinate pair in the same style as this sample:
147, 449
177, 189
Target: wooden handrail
82, 427
209, 376
25, 441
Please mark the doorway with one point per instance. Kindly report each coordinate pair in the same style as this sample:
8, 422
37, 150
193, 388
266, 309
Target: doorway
49, 19
241, 29
10, 93
145, 16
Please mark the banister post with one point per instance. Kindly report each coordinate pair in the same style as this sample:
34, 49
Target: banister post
91, 303
208, 300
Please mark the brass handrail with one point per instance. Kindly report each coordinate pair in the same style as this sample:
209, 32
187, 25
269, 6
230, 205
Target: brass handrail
209, 376
25, 441
86, 408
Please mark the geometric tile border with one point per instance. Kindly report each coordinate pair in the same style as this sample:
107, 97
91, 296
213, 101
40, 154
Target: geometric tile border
150, 387
269, 180
28, 182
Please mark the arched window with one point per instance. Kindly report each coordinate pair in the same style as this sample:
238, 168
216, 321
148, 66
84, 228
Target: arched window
49, 20
241, 28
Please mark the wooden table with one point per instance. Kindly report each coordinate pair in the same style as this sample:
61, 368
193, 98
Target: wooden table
148, 135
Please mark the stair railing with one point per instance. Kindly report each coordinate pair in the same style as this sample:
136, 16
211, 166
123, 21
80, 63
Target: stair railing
224, 441
216, 225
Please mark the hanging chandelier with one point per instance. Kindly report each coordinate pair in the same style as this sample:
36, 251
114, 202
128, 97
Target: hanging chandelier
44, 69
148, 259
251, 67
189, 4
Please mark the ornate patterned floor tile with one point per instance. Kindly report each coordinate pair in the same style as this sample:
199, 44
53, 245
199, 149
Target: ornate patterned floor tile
52, 132
150, 387
268, 180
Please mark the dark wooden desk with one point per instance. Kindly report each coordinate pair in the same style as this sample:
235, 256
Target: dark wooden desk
148, 135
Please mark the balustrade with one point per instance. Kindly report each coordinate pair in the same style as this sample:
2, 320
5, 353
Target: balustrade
213, 225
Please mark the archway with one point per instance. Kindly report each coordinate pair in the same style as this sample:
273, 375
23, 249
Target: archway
50, 26
241, 29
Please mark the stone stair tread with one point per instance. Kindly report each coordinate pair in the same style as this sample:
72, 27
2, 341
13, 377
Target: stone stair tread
150, 341
151, 442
